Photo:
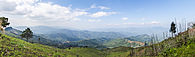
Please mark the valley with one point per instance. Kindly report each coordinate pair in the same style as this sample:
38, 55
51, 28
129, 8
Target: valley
97, 40
97, 28
11, 46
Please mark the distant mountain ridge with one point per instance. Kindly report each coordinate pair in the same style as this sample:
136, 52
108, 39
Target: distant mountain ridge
73, 38
16, 33
135, 30
73, 35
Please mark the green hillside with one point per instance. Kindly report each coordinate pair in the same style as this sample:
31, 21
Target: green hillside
120, 42
183, 45
98, 43
10, 46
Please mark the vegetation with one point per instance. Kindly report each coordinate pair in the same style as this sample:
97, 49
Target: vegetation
122, 42
74, 35
170, 47
3, 23
173, 28
93, 43
14, 47
182, 45
27, 33
16, 33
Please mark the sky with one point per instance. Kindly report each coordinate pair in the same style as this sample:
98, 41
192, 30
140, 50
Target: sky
91, 14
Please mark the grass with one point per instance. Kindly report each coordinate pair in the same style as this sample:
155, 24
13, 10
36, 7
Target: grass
14, 47
86, 52
179, 46
187, 50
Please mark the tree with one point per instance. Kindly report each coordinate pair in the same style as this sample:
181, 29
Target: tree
145, 43
173, 28
193, 25
39, 40
3, 23
27, 33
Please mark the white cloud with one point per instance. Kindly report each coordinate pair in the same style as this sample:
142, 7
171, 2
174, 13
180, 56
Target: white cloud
129, 23
124, 18
34, 12
135, 24
113, 24
7, 6
143, 19
76, 19
94, 20
155, 22
101, 13
100, 7
143, 23
93, 6
103, 7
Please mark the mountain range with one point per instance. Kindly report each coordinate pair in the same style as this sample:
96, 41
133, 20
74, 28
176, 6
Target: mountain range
15, 47
72, 35
63, 38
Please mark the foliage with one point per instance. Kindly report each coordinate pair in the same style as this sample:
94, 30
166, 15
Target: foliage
27, 33
73, 35
173, 28
13, 47
3, 23
181, 45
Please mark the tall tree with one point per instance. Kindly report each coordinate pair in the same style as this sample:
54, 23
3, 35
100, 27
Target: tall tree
173, 28
3, 23
27, 33
145, 43
193, 25
39, 40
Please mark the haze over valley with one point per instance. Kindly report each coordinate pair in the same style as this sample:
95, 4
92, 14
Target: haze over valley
97, 28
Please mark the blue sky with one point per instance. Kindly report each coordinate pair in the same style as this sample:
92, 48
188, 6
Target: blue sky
89, 14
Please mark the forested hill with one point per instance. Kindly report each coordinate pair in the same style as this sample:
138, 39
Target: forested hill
60, 40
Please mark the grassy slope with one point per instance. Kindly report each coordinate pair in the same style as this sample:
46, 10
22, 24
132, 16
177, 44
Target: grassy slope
10, 46
120, 42
86, 52
117, 43
187, 49
118, 52
179, 46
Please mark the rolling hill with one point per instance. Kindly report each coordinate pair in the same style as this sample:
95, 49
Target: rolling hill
133, 41
62, 34
13, 47
16, 33
56, 39
183, 45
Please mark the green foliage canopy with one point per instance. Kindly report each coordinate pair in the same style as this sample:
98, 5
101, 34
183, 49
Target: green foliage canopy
173, 27
4, 21
27, 33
